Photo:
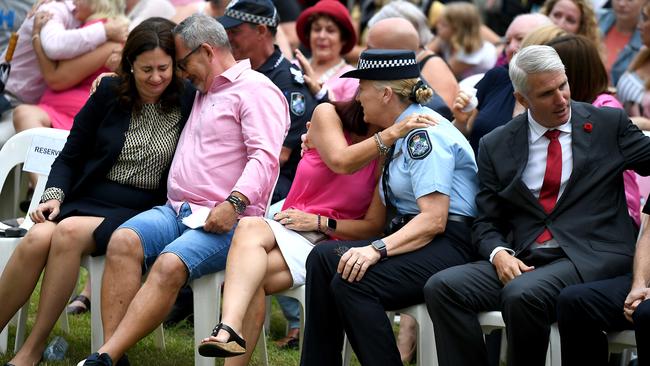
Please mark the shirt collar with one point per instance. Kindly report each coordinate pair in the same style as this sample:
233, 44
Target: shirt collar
231, 74
413, 108
272, 62
537, 130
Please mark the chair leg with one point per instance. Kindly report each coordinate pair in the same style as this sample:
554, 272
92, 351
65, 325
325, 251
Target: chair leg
95, 267
21, 327
207, 301
63, 322
261, 347
347, 351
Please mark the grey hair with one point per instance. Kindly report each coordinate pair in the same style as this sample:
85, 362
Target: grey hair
532, 60
408, 11
198, 29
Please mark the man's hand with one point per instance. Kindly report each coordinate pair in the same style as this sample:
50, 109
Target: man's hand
356, 261
47, 210
117, 29
508, 266
222, 218
634, 298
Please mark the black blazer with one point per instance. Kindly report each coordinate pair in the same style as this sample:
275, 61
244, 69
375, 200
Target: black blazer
590, 220
97, 138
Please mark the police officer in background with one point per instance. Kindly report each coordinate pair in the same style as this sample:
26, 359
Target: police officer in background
251, 27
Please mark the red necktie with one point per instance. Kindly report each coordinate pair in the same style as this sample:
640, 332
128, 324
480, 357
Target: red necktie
552, 177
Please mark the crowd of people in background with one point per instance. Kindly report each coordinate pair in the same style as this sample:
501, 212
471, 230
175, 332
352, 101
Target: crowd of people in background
468, 155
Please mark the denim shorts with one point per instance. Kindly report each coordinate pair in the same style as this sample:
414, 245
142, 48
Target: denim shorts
161, 230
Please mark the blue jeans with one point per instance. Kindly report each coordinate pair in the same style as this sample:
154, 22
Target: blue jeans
161, 230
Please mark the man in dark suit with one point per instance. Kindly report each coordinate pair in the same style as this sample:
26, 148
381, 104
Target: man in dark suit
586, 312
551, 213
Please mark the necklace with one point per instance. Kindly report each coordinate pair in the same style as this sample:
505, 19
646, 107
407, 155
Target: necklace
331, 71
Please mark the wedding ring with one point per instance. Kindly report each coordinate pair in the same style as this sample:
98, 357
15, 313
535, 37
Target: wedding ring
357, 264
289, 220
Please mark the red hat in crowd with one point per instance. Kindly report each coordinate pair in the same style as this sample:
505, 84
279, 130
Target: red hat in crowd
335, 10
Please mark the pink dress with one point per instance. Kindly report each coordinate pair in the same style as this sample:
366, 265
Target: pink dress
318, 190
632, 193
342, 88
63, 106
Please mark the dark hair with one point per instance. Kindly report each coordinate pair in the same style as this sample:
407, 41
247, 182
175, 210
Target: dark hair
584, 68
351, 115
272, 30
150, 34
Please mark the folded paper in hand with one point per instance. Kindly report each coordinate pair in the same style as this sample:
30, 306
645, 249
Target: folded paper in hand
197, 219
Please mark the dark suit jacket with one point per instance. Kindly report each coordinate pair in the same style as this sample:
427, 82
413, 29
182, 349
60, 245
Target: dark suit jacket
97, 138
590, 220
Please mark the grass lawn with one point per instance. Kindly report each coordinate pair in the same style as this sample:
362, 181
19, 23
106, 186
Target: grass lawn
179, 343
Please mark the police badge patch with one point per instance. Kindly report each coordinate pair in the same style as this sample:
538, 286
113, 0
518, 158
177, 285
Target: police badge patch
298, 104
419, 145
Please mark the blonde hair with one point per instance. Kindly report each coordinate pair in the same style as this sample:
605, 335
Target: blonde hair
106, 8
408, 90
588, 24
542, 35
465, 22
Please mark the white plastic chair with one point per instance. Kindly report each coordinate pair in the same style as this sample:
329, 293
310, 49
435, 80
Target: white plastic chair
14, 152
493, 320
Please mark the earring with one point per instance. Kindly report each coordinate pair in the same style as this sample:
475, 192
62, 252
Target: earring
131, 70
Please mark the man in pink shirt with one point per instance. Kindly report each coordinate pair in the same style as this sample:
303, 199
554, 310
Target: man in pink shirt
26, 83
226, 162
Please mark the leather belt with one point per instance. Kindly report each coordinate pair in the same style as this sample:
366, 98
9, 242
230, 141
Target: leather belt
460, 218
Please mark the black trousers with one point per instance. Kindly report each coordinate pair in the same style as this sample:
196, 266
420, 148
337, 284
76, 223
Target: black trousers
359, 308
587, 311
456, 295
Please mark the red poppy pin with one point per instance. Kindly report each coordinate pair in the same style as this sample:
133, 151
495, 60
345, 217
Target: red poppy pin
588, 127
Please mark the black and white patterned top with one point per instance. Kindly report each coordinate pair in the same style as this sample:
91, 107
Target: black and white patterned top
148, 149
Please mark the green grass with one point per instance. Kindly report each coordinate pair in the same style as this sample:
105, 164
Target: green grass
179, 343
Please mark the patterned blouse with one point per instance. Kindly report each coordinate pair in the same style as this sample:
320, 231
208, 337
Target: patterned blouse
148, 149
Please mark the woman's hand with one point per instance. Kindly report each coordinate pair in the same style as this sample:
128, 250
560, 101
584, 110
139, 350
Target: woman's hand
40, 19
414, 121
47, 210
308, 73
356, 261
113, 61
462, 100
305, 144
297, 220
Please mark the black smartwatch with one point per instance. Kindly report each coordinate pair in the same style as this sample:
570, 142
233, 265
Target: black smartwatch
380, 246
331, 225
237, 203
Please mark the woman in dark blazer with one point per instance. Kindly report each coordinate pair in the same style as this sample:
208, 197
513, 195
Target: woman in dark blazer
113, 166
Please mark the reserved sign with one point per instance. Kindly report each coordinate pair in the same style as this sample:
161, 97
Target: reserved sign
41, 154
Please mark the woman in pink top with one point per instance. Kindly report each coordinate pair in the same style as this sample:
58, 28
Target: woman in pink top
588, 81
58, 108
331, 197
326, 29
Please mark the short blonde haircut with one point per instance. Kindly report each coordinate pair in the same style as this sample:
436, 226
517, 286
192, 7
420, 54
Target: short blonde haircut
465, 22
542, 35
588, 23
403, 88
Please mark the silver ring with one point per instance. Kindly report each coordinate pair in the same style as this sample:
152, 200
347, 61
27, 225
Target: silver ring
357, 264
289, 220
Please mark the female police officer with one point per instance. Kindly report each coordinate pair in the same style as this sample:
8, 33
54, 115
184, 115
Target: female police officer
429, 181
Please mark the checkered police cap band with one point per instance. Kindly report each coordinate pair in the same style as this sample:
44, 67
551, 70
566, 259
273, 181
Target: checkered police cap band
252, 18
383, 64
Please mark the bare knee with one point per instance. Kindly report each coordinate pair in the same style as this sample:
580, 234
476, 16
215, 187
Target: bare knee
125, 245
253, 232
37, 241
168, 271
68, 237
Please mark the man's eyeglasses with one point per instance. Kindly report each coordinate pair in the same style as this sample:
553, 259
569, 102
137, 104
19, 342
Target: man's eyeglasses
182, 63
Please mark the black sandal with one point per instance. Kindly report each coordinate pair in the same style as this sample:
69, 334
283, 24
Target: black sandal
235, 346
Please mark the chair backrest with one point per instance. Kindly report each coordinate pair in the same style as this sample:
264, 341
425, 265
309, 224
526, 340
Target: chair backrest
15, 151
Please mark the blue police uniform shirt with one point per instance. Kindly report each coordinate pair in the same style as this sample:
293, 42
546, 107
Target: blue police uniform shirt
435, 159
289, 79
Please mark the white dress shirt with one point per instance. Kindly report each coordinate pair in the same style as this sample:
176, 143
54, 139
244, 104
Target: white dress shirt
533, 174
